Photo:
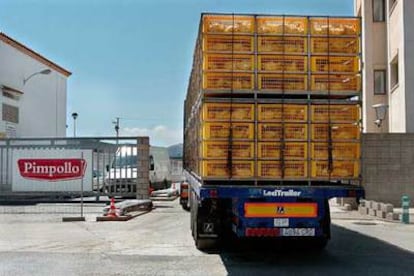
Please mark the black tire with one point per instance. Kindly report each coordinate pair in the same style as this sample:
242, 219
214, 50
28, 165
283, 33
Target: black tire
185, 205
192, 215
206, 244
203, 244
326, 223
320, 244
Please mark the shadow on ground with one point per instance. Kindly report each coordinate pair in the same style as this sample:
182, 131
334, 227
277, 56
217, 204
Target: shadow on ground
347, 253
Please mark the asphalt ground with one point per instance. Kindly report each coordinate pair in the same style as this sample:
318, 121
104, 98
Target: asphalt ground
35, 241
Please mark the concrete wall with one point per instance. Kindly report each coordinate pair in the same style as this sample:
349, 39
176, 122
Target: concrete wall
409, 62
374, 45
42, 107
388, 166
177, 174
397, 110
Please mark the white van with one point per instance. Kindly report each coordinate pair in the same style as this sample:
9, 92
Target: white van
122, 173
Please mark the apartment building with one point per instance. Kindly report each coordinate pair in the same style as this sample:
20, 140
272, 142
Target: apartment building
388, 65
32, 93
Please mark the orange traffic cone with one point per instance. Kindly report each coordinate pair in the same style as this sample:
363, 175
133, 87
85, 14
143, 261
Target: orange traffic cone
112, 209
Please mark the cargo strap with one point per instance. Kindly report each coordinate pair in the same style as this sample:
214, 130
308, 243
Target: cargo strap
282, 138
230, 138
330, 146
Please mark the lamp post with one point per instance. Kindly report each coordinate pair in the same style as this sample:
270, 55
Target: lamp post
43, 72
74, 116
380, 113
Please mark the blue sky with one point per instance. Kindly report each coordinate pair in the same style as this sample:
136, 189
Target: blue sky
130, 58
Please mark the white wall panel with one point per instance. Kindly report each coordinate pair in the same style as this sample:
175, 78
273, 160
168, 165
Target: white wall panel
22, 182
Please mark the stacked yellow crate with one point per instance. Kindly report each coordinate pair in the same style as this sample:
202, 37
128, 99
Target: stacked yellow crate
335, 50
228, 53
335, 126
217, 120
282, 48
282, 53
282, 141
259, 58
238, 51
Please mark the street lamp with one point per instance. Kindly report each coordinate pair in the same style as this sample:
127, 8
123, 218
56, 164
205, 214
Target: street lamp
43, 72
74, 116
380, 113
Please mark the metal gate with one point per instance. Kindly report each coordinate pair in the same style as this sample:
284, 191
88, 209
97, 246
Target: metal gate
111, 166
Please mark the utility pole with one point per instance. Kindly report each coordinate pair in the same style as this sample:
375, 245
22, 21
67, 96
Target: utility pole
116, 127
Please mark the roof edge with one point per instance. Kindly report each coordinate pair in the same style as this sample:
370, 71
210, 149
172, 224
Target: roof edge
26, 50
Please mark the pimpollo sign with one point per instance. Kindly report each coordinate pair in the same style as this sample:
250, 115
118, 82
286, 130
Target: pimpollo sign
52, 169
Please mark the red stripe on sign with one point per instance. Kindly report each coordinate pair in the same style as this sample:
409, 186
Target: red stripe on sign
52, 169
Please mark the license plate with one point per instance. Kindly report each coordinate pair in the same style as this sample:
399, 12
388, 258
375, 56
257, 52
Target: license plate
297, 232
282, 222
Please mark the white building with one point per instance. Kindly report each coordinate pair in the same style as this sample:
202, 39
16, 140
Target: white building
32, 104
387, 45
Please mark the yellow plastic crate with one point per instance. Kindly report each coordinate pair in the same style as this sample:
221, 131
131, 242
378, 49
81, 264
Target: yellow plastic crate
293, 64
336, 83
220, 130
335, 26
340, 151
220, 169
335, 64
220, 149
292, 151
228, 24
228, 62
335, 113
269, 150
274, 131
282, 82
229, 44
221, 112
223, 81
291, 112
339, 132
282, 25
273, 169
340, 169
279, 44
335, 45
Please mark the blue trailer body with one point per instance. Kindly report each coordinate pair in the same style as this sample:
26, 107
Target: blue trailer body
268, 211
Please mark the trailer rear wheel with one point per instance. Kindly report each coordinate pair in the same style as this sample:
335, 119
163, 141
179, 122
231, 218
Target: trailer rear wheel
206, 244
203, 244
326, 223
192, 214
185, 205
321, 242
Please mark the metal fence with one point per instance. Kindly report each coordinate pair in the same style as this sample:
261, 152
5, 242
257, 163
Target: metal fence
42, 167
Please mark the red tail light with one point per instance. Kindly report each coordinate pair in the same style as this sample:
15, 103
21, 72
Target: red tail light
262, 232
213, 193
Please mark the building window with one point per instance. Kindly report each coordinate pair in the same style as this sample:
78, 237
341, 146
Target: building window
10, 114
394, 72
11, 93
378, 10
380, 85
